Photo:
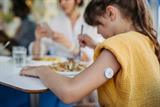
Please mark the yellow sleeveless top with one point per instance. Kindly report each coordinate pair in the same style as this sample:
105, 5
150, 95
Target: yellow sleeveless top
137, 83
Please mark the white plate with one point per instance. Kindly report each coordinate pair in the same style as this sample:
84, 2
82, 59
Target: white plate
39, 63
69, 74
32, 62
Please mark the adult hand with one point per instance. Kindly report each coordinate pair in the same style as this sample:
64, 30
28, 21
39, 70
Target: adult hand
43, 30
85, 40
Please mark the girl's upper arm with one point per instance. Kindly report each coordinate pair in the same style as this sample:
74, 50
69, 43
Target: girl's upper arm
94, 76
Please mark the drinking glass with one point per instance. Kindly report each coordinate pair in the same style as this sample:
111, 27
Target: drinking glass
19, 55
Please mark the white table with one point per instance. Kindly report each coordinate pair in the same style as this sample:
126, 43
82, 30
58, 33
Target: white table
9, 76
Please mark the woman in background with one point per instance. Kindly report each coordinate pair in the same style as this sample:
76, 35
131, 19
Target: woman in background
61, 36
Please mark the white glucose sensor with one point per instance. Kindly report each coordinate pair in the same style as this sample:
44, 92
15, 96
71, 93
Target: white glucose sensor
108, 73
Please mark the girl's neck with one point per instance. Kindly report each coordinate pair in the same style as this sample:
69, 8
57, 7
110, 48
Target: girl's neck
126, 27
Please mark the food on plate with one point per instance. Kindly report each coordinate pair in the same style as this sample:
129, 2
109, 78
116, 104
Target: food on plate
68, 66
51, 59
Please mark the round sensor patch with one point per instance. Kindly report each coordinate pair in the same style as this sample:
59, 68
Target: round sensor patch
108, 72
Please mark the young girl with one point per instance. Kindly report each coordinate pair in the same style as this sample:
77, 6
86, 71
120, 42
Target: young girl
126, 69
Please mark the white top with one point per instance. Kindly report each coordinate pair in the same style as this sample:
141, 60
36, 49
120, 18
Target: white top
62, 24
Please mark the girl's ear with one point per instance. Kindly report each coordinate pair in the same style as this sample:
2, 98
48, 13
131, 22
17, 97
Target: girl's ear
111, 12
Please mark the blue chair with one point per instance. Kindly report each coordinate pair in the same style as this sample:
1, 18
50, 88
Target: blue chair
12, 98
49, 99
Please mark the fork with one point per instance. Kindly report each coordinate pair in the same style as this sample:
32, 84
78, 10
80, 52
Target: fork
79, 45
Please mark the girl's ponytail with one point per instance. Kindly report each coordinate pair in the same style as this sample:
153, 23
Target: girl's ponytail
143, 23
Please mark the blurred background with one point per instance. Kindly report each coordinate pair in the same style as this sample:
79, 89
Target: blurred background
41, 11
45, 10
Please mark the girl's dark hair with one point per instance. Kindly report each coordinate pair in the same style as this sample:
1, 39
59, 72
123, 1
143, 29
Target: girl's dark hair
137, 10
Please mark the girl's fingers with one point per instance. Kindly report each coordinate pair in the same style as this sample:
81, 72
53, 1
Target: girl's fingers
25, 70
27, 73
82, 44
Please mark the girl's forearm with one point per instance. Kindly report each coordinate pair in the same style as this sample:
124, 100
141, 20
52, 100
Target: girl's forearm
65, 42
58, 84
60, 38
